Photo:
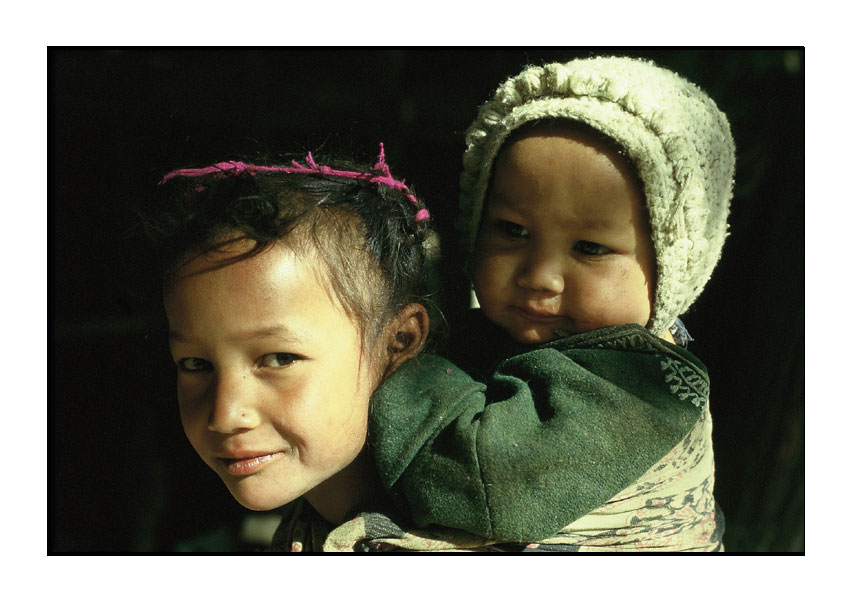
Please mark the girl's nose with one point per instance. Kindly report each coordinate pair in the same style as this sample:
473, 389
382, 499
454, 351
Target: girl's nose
542, 273
232, 406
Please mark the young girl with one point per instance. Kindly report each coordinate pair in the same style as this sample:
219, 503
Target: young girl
594, 200
291, 292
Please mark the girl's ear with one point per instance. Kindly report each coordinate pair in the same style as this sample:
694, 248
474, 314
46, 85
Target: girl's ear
406, 336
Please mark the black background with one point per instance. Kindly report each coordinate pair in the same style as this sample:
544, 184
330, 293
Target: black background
122, 477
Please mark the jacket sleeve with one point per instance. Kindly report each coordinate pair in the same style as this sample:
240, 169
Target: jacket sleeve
550, 437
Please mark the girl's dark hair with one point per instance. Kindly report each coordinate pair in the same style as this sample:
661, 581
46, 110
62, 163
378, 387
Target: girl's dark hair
378, 258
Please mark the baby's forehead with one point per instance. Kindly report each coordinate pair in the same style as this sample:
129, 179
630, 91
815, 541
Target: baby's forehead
550, 142
567, 175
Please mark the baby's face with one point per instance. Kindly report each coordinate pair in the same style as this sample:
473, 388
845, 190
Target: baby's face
564, 243
272, 384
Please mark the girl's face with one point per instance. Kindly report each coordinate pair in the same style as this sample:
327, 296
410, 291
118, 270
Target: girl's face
564, 243
272, 379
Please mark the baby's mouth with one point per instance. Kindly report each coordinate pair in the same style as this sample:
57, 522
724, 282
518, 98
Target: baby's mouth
536, 315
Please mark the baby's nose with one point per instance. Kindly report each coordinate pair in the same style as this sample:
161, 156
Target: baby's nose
544, 274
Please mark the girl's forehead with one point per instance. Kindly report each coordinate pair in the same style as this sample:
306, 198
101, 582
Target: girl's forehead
247, 293
240, 270
229, 295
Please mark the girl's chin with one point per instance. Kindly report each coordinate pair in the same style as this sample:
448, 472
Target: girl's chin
257, 496
260, 503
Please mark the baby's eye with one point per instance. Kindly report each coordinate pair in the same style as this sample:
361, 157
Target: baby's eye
193, 365
278, 360
590, 248
511, 229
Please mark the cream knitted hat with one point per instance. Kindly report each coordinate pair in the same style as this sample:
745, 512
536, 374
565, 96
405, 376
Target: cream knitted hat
673, 132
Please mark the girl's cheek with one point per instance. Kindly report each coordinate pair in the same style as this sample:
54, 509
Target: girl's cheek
193, 404
293, 393
194, 423
189, 395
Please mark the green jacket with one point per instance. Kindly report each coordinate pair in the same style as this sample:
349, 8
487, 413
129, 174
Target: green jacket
554, 432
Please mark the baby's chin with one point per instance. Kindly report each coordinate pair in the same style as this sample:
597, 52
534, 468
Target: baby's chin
527, 332
535, 335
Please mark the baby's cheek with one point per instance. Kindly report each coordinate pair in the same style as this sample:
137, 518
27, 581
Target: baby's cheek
589, 295
640, 295
604, 303
491, 279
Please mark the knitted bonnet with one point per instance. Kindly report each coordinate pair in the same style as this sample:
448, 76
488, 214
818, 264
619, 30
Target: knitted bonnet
674, 134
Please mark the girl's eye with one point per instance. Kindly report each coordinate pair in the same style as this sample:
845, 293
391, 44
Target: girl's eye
193, 365
511, 229
589, 248
278, 360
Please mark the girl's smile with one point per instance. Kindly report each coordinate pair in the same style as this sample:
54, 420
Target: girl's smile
247, 463
272, 379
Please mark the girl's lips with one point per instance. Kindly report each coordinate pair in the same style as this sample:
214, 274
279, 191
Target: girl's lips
246, 465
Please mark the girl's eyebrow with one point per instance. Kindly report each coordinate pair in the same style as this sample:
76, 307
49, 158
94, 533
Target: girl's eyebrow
176, 336
279, 331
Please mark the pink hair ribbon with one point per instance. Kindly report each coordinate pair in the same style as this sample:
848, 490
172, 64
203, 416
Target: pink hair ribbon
233, 168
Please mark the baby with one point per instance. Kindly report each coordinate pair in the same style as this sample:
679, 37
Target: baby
594, 201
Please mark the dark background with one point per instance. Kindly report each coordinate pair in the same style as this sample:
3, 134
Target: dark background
122, 477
